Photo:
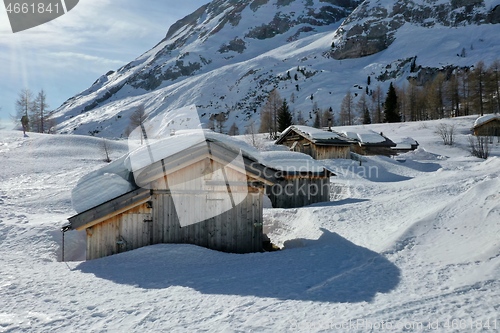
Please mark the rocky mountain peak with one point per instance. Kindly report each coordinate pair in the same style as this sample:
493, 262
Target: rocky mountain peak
227, 56
371, 28
223, 31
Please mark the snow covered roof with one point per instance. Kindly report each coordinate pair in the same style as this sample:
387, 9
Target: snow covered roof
365, 136
182, 140
117, 178
405, 143
485, 119
159, 149
291, 162
315, 135
102, 185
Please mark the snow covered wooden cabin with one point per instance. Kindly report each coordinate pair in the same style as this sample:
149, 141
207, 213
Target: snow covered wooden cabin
200, 190
487, 125
405, 145
368, 142
317, 143
300, 180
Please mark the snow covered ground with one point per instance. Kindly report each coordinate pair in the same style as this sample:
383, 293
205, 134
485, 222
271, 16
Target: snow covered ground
410, 244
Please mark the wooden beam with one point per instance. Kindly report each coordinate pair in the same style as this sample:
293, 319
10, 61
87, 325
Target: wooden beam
109, 209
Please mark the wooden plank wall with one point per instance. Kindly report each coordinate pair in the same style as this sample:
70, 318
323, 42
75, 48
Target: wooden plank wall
120, 233
300, 191
318, 152
375, 151
330, 152
491, 128
238, 230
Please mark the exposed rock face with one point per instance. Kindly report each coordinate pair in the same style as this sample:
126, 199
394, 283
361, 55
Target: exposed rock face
218, 34
202, 28
371, 28
229, 54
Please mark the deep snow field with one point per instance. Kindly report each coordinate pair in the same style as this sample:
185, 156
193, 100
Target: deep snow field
410, 243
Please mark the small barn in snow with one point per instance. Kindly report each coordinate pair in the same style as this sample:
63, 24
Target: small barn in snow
317, 143
299, 180
368, 142
193, 188
405, 145
487, 125
186, 189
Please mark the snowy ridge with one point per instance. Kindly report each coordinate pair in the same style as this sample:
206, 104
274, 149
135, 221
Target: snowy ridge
373, 26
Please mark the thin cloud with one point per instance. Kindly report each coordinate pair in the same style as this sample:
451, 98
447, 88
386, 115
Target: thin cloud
70, 52
75, 56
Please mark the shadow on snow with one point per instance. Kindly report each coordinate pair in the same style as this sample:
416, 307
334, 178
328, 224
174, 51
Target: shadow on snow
330, 269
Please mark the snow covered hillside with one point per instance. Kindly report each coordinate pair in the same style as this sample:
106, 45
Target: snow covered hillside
410, 241
227, 56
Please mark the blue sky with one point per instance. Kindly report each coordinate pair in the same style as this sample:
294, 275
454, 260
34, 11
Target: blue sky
66, 55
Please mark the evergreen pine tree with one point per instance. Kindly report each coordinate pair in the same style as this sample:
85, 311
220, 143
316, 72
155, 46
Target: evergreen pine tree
327, 117
391, 113
285, 117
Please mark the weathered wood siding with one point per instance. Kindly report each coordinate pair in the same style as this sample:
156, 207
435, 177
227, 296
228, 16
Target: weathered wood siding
120, 233
374, 150
299, 191
238, 230
319, 152
491, 128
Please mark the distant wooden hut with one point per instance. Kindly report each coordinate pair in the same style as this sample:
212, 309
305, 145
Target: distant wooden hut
368, 142
317, 143
299, 180
204, 175
487, 125
405, 145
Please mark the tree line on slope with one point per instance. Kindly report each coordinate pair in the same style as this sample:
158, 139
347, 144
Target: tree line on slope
32, 112
461, 91
452, 93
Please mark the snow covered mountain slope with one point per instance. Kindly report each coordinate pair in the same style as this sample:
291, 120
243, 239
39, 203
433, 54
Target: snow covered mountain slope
372, 27
228, 55
409, 243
